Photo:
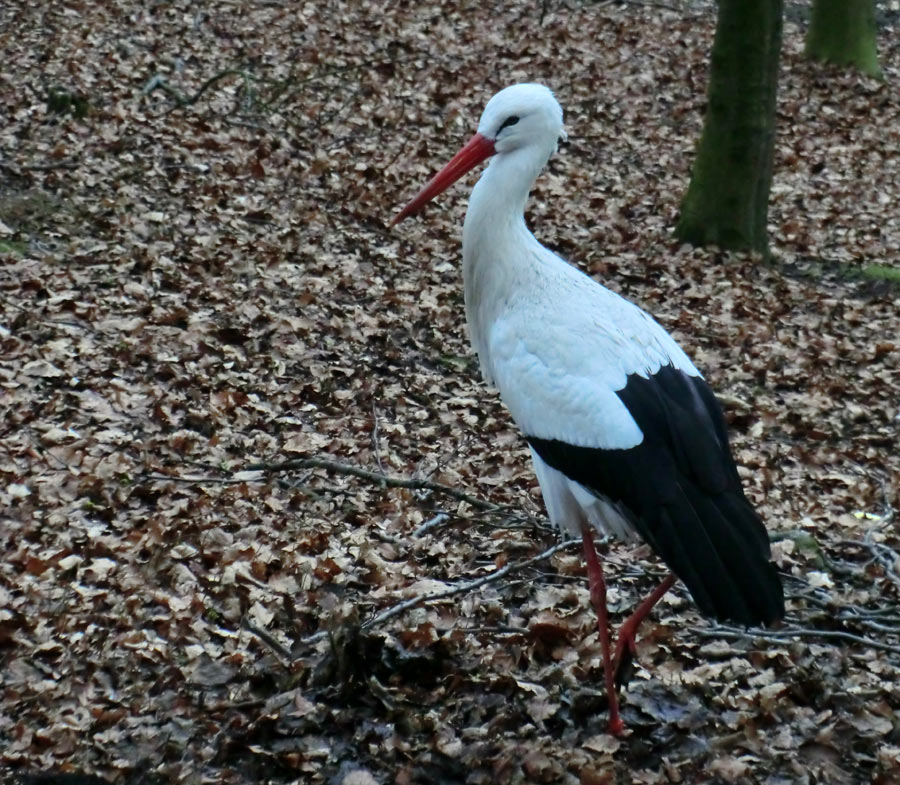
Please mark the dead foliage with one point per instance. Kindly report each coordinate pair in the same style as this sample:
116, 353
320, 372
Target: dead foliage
197, 286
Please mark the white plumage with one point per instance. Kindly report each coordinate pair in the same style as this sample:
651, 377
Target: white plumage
625, 435
569, 504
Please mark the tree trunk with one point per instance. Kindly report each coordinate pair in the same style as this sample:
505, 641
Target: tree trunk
727, 202
843, 32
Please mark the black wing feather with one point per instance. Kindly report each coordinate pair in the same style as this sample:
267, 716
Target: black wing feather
681, 490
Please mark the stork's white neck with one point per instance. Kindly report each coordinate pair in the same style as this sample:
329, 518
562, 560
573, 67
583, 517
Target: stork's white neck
502, 191
500, 254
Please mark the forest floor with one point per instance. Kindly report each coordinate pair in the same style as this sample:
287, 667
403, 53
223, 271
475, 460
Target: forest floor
241, 422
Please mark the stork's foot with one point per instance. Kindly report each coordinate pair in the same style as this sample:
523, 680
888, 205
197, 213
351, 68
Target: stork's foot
617, 727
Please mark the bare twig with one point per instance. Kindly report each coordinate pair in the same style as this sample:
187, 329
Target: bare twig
883, 554
388, 538
365, 474
874, 625
431, 523
189, 480
281, 90
732, 633
268, 639
465, 586
498, 630
376, 446
159, 82
666, 6
51, 165
460, 588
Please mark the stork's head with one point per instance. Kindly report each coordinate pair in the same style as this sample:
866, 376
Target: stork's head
523, 114
519, 116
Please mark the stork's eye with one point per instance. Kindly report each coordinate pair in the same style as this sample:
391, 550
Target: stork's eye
508, 122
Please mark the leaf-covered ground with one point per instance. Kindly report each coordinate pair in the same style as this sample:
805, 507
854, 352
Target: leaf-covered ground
198, 285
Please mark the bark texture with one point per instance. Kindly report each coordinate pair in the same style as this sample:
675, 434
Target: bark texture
727, 201
843, 32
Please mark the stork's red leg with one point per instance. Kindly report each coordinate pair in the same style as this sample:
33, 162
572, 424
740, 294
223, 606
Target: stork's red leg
625, 646
598, 600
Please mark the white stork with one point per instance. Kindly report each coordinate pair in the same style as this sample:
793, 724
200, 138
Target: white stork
626, 437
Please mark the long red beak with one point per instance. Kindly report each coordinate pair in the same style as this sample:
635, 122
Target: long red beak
476, 150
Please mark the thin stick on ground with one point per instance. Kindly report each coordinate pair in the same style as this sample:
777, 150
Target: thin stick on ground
375, 477
886, 556
460, 588
160, 82
376, 441
733, 633
465, 586
268, 639
431, 523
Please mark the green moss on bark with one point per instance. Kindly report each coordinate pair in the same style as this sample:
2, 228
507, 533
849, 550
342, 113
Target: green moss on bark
727, 201
843, 32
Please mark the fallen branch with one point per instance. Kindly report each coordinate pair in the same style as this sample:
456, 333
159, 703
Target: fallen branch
51, 165
381, 479
187, 479
465, 586
460, 588
733, 633
268, 639
666, 6
431, 523
280, 90
886, 556
159, 82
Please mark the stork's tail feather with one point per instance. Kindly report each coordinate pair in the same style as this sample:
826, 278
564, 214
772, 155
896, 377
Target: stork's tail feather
725, 560
707, 533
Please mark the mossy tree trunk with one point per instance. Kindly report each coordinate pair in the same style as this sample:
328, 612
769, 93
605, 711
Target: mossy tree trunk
843, 32
727, 202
